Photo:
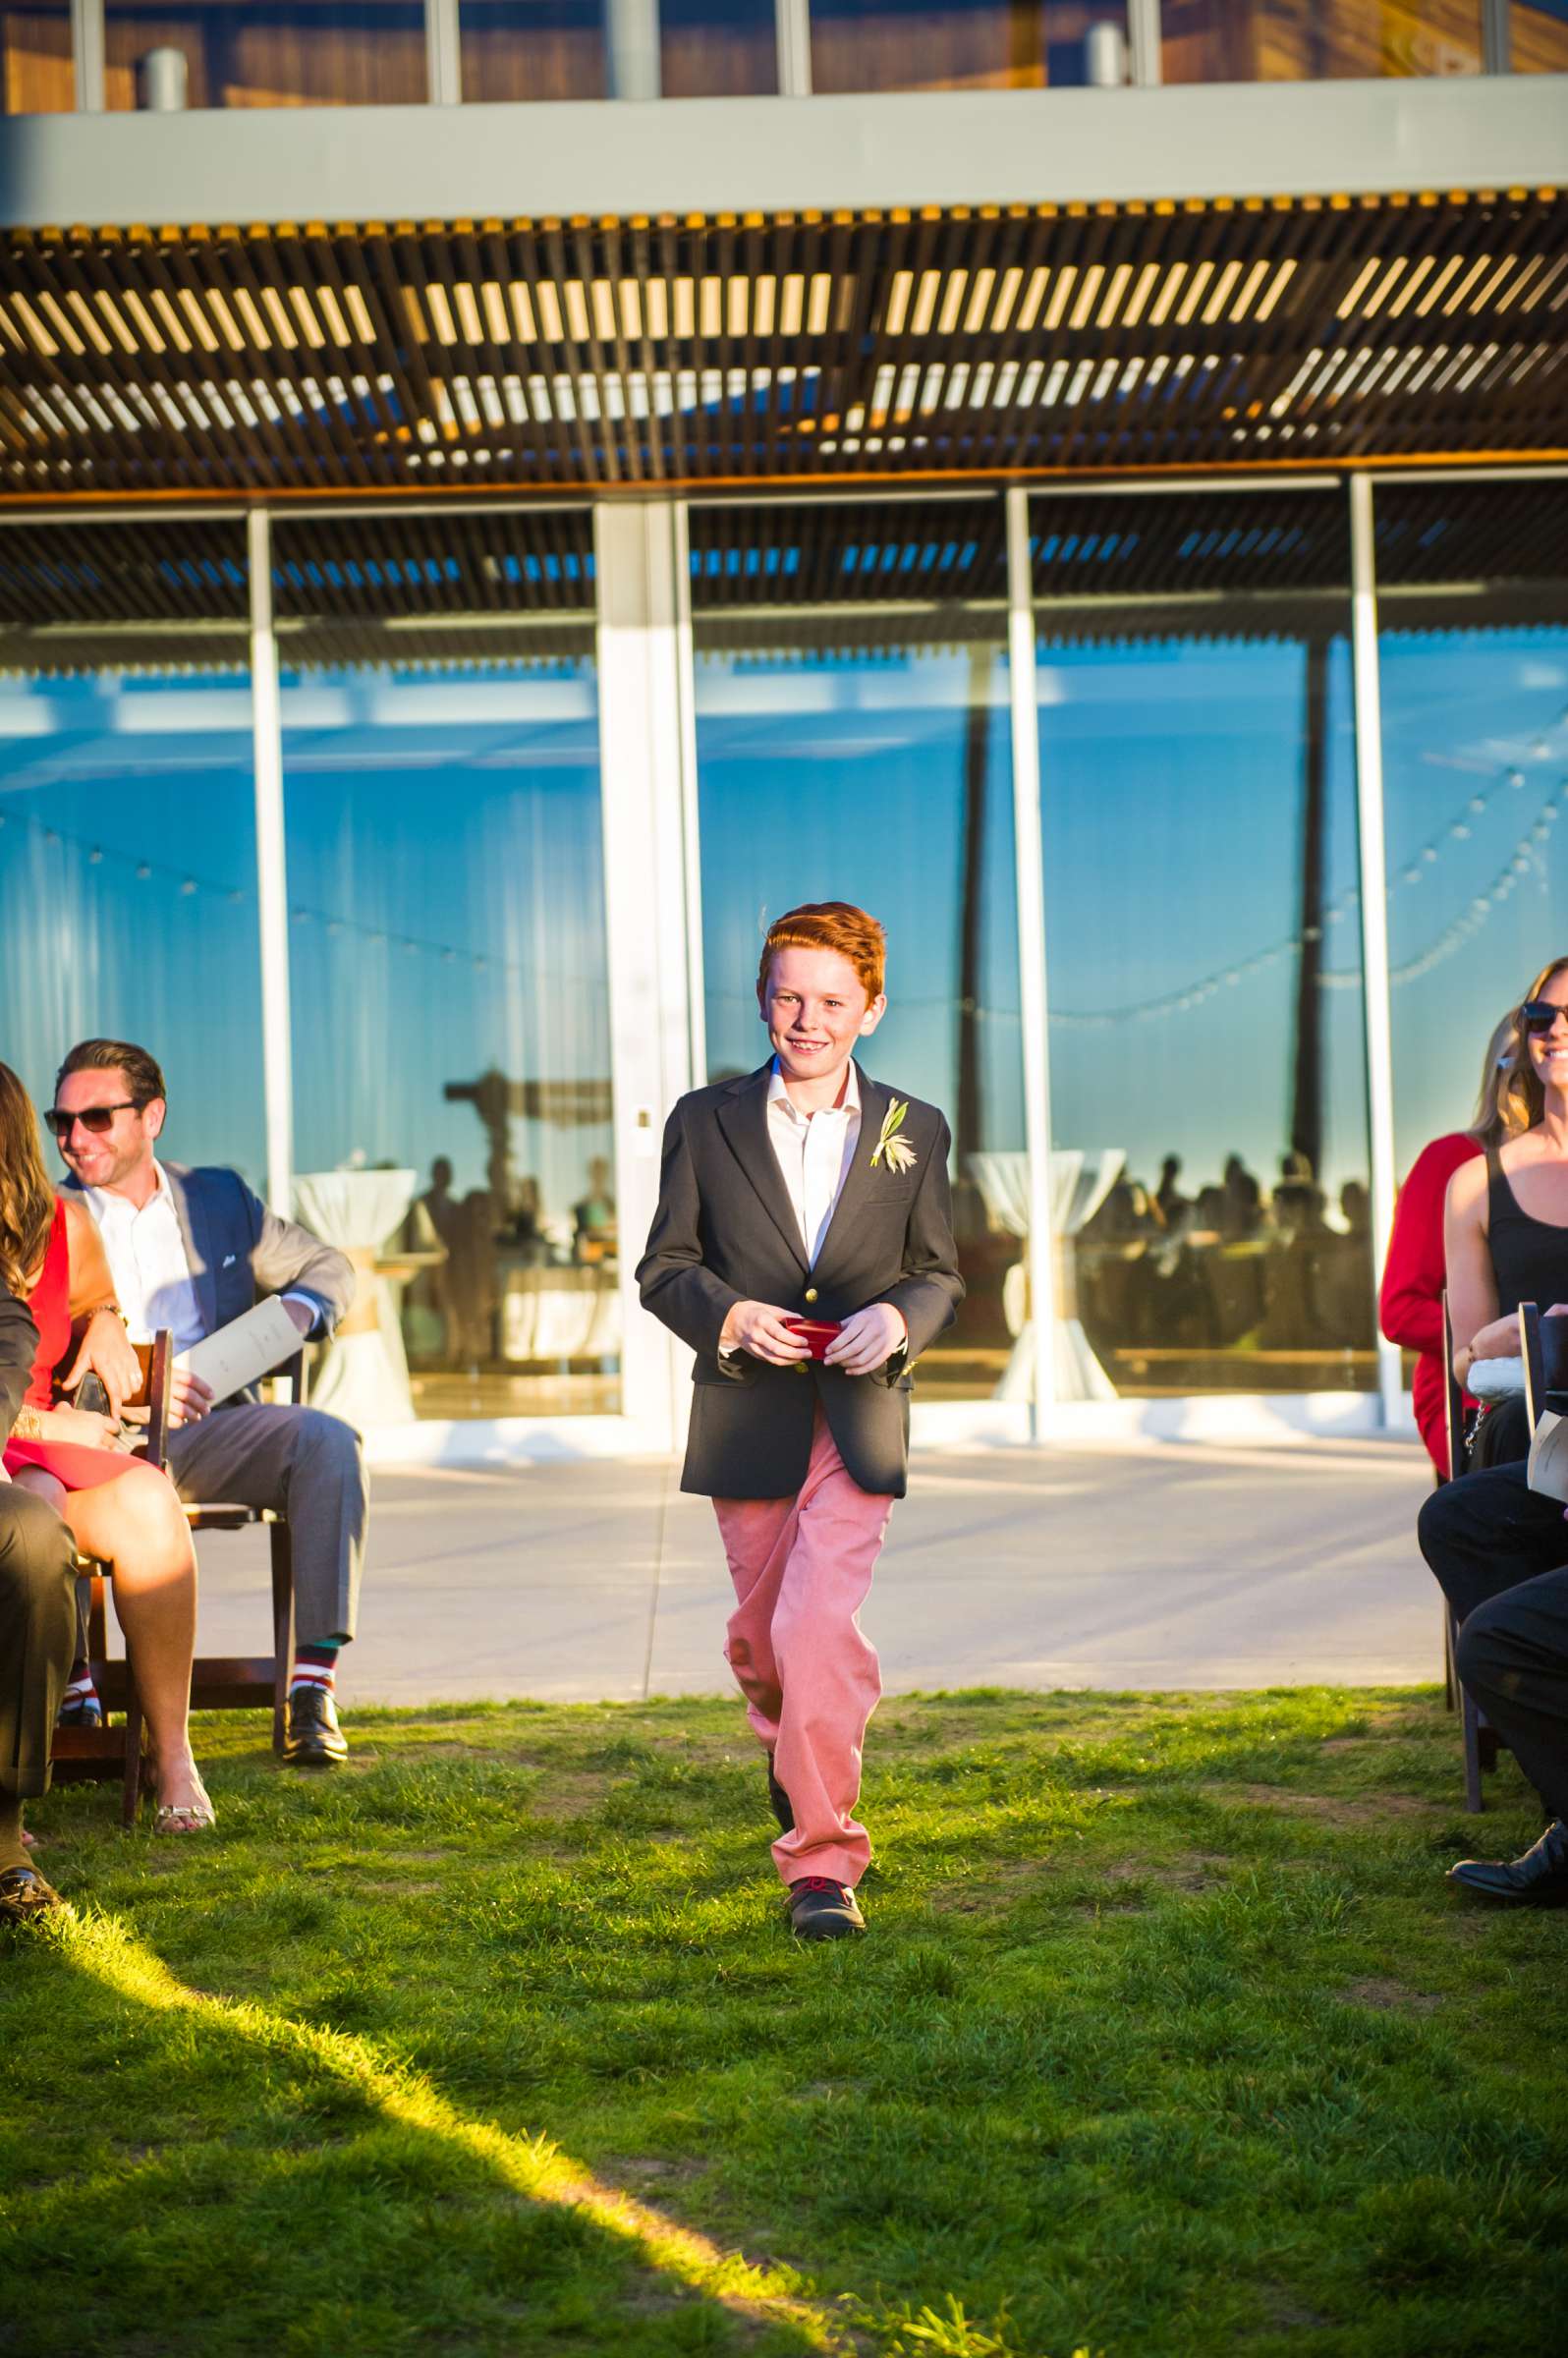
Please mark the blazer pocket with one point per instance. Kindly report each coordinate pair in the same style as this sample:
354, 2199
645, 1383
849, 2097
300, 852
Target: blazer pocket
742, 1372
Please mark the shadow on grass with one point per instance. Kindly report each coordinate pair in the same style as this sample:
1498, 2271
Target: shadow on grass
674, 2288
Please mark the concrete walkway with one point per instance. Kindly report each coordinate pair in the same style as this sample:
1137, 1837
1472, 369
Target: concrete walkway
1154, 1565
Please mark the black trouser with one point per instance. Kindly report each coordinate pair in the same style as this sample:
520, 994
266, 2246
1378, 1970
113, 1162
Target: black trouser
1513, 1656
1487, 1532
37, 1637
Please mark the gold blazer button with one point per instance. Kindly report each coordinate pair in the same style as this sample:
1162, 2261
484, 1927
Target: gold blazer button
810, 1293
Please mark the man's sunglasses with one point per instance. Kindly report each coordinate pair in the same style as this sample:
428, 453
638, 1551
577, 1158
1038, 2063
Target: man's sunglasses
1538, 1014
96, 1118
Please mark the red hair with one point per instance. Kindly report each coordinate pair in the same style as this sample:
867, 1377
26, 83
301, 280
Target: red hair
830, 925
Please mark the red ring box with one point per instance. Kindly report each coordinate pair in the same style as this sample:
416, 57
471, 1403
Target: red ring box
817, 1333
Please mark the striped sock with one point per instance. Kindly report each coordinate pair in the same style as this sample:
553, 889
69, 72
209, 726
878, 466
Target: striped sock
315, 1666
79, 1686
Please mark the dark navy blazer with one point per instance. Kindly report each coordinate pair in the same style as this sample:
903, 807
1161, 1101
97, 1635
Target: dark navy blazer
725, 1231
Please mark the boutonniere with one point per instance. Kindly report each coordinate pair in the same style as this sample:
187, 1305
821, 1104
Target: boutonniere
895, 1151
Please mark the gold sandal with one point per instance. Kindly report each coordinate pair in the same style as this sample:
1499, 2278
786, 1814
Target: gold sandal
186, 1817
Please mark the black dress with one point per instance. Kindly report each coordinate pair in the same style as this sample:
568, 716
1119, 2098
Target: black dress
1530, 1261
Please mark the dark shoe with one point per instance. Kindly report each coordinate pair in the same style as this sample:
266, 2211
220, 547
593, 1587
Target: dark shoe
821, 1910
312, 1738
779, 1799
24, 1896
80, 1710
1539, 1879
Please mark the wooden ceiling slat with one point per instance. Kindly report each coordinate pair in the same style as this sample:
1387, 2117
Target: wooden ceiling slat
293, 458
564, 444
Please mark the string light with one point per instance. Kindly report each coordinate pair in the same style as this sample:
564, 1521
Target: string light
197, 888
1524, 857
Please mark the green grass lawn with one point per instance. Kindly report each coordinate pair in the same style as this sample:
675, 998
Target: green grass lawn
1167, 2037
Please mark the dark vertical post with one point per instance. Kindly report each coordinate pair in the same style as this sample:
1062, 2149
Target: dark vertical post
1307, 1096
968, 1111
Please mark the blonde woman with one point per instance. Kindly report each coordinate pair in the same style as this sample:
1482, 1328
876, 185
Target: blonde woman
1505, 1230
118, 1509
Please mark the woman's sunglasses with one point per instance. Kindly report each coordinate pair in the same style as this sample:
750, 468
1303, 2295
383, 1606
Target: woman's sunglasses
96, 1118
1539, 1016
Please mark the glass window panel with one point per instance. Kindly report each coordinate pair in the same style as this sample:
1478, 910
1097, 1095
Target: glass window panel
1472, 613
127, 902
38, 76
263, 53
954, 45
1540, 35
1312, 40
447, 905
1198, 799
719, 49
864, 755
532, 49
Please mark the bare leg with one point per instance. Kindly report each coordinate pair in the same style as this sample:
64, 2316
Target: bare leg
136, 1524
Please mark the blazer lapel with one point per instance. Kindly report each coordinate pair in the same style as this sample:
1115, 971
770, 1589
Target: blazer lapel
875, 1102
196, 1232
743, 1118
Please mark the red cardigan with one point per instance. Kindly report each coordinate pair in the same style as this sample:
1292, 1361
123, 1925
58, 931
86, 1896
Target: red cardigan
1411, 1303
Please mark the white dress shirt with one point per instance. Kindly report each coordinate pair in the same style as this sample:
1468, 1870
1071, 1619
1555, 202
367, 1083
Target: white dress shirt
814, 1152
149, 1262
151, 1269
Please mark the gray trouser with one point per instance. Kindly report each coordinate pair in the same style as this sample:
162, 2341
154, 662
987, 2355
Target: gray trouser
301, 1464
37, 1636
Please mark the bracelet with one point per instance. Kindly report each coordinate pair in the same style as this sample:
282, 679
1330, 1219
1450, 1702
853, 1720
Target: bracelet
26, 1426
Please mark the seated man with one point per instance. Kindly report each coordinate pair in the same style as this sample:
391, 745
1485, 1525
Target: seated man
193, 1250
1513, 1656
1499, 1550
37, 1631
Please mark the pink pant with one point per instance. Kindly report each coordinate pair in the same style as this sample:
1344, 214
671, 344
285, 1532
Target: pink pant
802, 1569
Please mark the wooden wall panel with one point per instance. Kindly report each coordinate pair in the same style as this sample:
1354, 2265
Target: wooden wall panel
1539, 38
38, 76
947, 45
521, 50
718, 49
273, 52
1315, 41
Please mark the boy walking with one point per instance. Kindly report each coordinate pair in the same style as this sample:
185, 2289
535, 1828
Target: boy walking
805, 1196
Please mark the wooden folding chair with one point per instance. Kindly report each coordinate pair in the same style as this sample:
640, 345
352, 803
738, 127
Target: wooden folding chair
218, 1682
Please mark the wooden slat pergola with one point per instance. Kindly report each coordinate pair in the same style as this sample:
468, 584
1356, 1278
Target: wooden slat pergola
572, 358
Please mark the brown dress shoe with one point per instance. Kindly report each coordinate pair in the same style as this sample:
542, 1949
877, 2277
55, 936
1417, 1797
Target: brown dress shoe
24, 1896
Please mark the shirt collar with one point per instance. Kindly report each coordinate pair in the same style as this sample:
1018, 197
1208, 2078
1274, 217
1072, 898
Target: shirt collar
778, 1095
104, 1205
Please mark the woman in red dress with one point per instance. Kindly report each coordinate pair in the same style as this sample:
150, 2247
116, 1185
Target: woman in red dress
1410, 1305
118, 1508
